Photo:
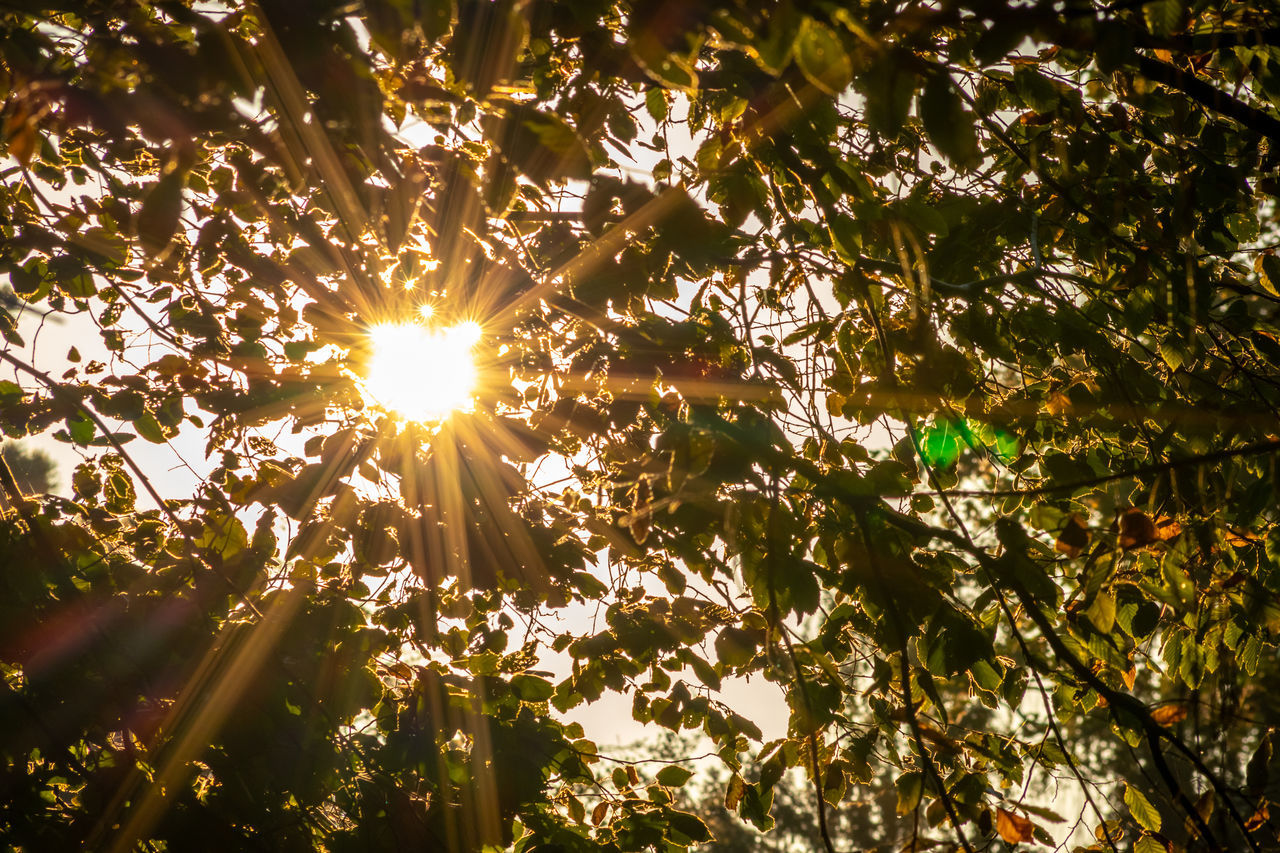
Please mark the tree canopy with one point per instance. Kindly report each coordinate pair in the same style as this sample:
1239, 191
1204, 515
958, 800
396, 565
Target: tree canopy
918, 361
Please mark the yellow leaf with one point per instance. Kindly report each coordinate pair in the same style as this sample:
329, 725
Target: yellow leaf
1057, 404
1013, 828
1167, 715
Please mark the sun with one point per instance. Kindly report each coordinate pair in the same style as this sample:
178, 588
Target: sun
421, 373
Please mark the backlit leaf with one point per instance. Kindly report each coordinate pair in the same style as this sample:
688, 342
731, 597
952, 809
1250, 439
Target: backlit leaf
821, 57
1141, 809
1013, 828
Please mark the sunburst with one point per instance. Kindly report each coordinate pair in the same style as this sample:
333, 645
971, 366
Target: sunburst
420, 373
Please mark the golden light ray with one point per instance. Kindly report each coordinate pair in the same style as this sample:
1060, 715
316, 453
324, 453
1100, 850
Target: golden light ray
209, 696
440, 537
227, 669
511, 546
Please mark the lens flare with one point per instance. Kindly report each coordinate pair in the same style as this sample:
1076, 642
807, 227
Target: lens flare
422, 374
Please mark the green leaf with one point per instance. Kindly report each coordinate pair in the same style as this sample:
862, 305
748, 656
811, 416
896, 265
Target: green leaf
655, 103
149, 428
910, 789
81, 429
157, 220
1141, 809
735, 646
1102, 612
9, 329
436, 17
948, 123
666, 68
845, 238
531, 688
1150, 844
821, 57
224, 535
673, 775
1163, 17
689, 826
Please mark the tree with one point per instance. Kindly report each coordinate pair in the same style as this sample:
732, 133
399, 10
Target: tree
919, 358
32, 469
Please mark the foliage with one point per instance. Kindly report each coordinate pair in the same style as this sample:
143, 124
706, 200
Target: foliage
1029, 243
33, 470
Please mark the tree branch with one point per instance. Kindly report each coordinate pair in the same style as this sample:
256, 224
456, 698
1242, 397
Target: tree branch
1142, 470
1208, 96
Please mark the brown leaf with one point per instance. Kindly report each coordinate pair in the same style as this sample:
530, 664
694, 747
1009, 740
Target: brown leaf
1073, 538
733, 793
1058, 403
1137, 529
1167, 528
1167, 715
1240, 538
22, 143
598, 813
1259, 818
1013, 828
1204, 805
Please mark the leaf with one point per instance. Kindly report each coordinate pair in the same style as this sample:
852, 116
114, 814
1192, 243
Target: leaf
1167, 715
736, 646
845, 238
531, 688
687, 825
1260, 817
81, 429
1136, 529
821, 57
673, 775
733, 792
1141, 809
21, 133
910, 789
1268, 268
542, 145
436, 17
157, 219
638, 520
149, 428
599, 813
1163, 17
224, 535
948, 123
1151, 844
655, 103
1204, 805
1073, 538
1013, 828
9, 329
1102, 612
666, 68
1257, 771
